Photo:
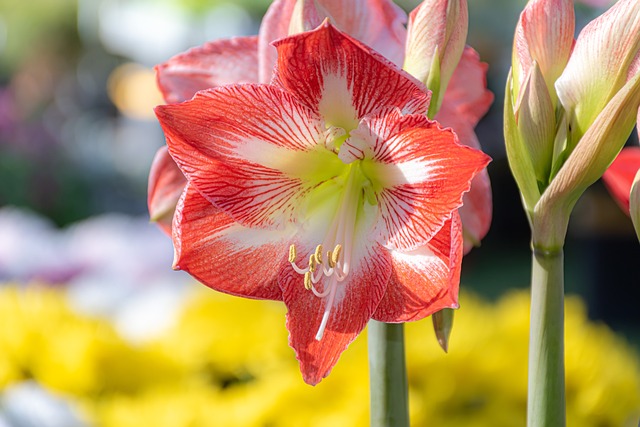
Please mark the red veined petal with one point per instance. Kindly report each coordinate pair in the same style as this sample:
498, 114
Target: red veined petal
426, 279
216, 63
275, 25
343, 79
620, 175
166, 183
467, 97
224, 255
418, 171
377, 23
249, 149
477, 207
356, 300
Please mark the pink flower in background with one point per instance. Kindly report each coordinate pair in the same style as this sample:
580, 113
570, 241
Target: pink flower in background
339, 196
377, 23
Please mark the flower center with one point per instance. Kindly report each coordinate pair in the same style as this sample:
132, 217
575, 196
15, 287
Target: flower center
326, 271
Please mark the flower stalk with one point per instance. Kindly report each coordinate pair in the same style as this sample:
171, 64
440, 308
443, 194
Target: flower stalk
546, 391
388, 375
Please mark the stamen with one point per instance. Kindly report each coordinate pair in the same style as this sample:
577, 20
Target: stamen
307, 281
312, 263
336, 254
330, 259
292, 253
318, 254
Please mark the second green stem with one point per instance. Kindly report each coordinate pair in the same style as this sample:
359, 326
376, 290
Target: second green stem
546, 394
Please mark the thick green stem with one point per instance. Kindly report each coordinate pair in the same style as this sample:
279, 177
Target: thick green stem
388, 375
546, 400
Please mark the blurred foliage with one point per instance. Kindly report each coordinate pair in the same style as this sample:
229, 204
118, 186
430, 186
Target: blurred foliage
26, 25
226, 362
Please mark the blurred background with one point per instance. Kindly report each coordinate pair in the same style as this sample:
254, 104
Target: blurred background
97, 330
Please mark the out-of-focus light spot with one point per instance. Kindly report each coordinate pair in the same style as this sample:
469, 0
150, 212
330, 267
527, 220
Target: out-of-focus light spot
132, 89
145, 31
227, 20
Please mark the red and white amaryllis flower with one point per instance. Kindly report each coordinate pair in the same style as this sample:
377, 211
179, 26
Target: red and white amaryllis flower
328, 189
378, 24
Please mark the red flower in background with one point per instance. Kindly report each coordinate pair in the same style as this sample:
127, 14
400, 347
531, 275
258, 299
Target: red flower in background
620, 175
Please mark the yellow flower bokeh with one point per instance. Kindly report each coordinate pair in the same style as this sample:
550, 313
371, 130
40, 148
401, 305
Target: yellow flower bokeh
226, 362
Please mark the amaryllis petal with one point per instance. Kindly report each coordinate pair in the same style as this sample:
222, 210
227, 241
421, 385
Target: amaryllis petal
213, 64
599, 64
595, 151
166, 183
407, 159
544, 34
620, 175
377, 23
476, 211
247, 149
224, 255
467, 97
424, 280
466, 101
477, 207
354, 302
343, 80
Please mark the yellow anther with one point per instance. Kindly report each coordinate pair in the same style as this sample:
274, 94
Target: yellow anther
330, 260
335, 255
312, 263
307, 280
318, 254
292, 253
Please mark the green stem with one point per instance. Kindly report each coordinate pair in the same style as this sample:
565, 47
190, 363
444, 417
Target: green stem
388, 375
546, 394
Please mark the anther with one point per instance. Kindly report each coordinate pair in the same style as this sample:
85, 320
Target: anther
330, 260
307, 280
312, 263
335, 255
292, 253
318, 254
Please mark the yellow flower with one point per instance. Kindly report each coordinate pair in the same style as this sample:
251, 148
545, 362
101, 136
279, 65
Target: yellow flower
214, 369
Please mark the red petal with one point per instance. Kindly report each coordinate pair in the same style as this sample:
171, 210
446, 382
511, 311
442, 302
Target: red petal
213, 64
476, 211
361, 292
466, 101
477, 208
377, 23
274, 26
467, 98
424, 280
166, 183
343, 80
247, 149
421, 173
222, 254
620, 175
